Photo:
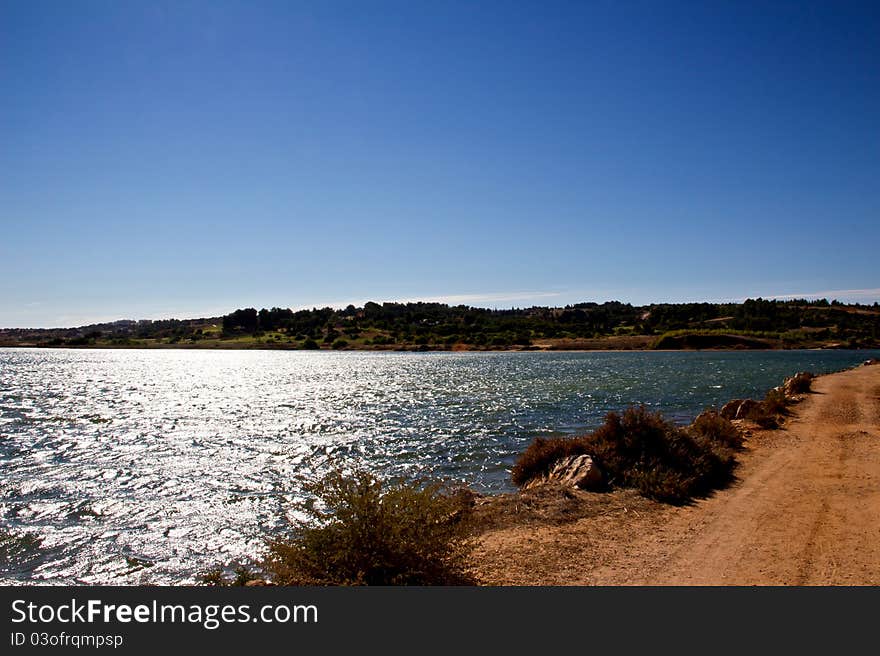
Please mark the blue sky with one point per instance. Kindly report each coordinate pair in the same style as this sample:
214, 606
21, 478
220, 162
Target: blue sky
187, 158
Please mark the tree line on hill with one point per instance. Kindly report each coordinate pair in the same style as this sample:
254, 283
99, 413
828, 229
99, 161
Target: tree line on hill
440, 325
437, 323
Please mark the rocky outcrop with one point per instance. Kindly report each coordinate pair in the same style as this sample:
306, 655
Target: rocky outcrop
571, 471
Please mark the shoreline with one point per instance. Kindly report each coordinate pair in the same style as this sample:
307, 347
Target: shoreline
562, 536
268, 347
753, 324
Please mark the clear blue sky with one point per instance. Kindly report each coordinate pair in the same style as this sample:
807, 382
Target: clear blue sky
187, 158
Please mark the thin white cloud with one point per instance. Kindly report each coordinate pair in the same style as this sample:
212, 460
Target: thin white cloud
501, 297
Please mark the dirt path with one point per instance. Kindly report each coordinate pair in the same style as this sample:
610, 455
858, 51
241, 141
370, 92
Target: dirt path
805, 510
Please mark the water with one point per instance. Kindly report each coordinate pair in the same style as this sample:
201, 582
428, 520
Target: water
148, 466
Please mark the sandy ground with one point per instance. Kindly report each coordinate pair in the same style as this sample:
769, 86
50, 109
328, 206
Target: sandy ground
805, 510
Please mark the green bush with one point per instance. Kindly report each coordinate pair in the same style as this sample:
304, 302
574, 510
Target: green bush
340, 343
641, 449
310, 344
375, 533
523, 338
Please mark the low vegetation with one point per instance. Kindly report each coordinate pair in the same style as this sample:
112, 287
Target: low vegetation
760, 415
365, 531
239, 575
711, 425
642, 450
714, 339
768, 412
800, 383
775, 402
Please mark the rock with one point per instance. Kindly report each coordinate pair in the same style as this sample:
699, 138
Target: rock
870, 362
578, 471
729, 410
255, 583
745, 407
571, 471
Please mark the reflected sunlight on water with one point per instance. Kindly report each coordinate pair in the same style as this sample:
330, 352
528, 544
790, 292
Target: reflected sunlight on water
139, 466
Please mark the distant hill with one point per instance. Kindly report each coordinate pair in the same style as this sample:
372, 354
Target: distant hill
755, 323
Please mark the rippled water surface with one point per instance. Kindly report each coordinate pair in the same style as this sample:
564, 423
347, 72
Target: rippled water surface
147, 466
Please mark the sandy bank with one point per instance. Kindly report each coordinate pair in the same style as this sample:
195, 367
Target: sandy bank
804, 510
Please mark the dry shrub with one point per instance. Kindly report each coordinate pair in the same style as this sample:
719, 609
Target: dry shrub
775, 403
642, 450
800, 383
220, 576
762, 417
541, 454
375, 533
712, 425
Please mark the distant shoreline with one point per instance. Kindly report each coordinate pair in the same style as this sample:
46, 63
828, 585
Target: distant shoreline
610, 326
409, 348
429, 350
